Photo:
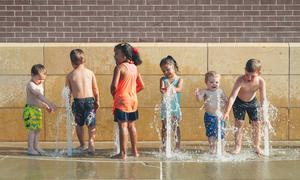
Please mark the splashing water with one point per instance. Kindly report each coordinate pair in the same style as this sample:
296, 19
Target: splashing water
269, 113
69, 120
155, 123
219, 115
167, 99
117, 139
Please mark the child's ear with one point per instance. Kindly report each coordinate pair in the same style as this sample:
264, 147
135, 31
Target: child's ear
259, 72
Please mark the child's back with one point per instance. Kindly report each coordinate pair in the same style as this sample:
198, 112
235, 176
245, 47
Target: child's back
126, 95
81, 80
83, 86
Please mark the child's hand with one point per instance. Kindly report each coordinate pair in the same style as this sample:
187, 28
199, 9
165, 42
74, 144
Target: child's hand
52, 107
48, 109
164, 90
199, 94
96, 105
226, 116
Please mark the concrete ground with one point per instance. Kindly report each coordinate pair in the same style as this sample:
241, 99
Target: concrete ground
16, 164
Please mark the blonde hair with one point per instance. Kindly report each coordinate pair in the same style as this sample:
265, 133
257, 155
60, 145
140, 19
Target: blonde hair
211, 74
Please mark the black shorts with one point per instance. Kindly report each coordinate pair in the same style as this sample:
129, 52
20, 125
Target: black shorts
84, 111
241, 107
121, 116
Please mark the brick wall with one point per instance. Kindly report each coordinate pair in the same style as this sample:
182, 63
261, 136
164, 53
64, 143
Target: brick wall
149, 20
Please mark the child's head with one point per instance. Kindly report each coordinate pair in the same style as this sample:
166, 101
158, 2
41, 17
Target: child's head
38, 73
169, 66
124, 52
252, 69
77, 57
212, 80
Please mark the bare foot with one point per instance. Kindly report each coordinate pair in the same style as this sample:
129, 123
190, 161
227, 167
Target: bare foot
236, 151
32, 152
119, 156
81, 148
41, 151
135, 153
259, 152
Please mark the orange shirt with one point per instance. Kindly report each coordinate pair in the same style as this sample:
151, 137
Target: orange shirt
125, 98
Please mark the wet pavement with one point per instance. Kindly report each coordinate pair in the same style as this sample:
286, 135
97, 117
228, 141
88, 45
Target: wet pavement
190, 164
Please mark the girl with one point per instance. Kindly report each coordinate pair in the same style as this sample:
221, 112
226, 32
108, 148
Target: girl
170, 82
126, 83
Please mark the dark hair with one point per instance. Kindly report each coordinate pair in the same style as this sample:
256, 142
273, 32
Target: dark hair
130, 52
38, 69
169, 60
253, 65
77, 57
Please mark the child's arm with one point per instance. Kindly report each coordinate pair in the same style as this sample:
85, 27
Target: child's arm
50, 106
140, 84
162, 87
199, 93
262, 91
180, 86
115, 80
68, 84
232, 97
95, 92
224, 97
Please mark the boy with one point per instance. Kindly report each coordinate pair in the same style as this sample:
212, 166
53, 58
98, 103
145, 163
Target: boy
214, 101
32, 114
83, 87
243, 99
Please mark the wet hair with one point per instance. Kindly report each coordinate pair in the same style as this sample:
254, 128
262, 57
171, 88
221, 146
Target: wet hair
169, 60
77, 56
38, 69
253, 65
211, 74
129, 52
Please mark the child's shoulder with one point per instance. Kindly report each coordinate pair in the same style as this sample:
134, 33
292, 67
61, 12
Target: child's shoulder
261, 80
163, 78
31, 84
240, 79
88, 71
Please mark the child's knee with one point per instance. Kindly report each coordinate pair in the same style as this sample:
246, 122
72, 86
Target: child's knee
239, 123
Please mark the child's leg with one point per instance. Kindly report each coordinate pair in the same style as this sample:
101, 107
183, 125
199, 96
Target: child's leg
163, 132
211, 145
177, 134
133, 138
92, 134
123, 138
80, 132
36, 142
31, 139
238, 136
256, 133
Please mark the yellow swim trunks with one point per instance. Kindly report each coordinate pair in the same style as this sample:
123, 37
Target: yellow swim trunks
32, 117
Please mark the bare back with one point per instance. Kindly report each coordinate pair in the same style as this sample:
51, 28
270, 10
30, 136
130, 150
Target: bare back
80, 81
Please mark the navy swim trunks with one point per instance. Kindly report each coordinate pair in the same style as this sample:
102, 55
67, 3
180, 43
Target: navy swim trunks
240, 108
211, 125
84, 111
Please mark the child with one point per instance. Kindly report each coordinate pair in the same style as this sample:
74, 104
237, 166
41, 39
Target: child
32, 114
170, 80
243, 100
126, 83
83, 87
214, 101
